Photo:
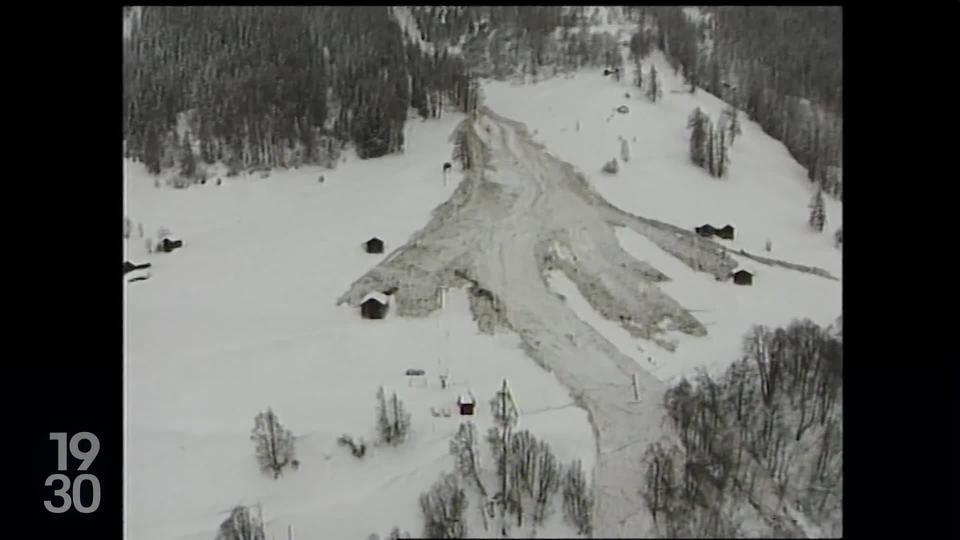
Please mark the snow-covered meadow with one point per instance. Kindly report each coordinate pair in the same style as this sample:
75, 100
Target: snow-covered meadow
243, 317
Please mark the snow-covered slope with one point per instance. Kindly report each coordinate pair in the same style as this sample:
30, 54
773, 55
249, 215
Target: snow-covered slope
243, 317
765, 197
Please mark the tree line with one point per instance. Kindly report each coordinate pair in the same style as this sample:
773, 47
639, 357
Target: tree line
782, 65
276, 86
768, 429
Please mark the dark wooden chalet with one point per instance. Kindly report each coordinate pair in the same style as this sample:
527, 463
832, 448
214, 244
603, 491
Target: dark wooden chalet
706, 231
374, 245
726, 232
742, 277
374, 306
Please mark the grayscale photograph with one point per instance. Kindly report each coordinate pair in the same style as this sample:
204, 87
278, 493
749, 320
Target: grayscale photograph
482, 272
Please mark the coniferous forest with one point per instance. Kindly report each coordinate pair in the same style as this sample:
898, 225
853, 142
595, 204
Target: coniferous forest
782, 65
275, 86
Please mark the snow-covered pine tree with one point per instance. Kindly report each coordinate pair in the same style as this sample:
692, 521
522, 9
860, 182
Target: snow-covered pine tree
838, 237
723, 161
384, 424
400, 418
393, 420
274, 443
242, 524
624, 150
818, 214
698, 137
638, 79
152, 150
653, 86
188, 162
711, 150
732, 123
127, 226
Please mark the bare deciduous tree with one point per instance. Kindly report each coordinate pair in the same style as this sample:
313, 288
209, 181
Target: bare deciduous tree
274, 443
577, 499
241, 525
443, 508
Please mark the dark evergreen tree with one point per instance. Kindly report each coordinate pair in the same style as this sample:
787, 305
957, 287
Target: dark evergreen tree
188, 162
818, 214
151, 151
711, 149
653, 86
731, 123
697, 123
723, 161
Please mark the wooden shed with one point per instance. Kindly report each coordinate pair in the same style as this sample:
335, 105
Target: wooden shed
743, 277
374, 245
466, 403
168, 244
374, 306
706, 231
726, 232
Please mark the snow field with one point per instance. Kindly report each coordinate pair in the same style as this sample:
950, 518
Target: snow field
764, 197
243, 317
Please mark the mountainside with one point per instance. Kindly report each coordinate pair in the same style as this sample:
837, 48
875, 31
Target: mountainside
557, 251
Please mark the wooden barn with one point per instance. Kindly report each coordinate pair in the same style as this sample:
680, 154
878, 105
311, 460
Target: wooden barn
706, 231
374, 245
726, 232
167, 245
466, 404
742, 277
374, 306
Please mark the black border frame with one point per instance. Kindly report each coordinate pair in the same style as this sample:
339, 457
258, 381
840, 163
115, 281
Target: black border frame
901, 138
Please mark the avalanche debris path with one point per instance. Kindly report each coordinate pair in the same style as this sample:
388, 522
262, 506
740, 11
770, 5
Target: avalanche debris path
518, 213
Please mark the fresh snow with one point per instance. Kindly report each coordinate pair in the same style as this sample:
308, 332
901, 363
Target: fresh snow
243, 317
765, 196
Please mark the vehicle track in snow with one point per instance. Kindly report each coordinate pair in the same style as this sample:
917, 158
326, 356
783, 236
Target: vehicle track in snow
518, 214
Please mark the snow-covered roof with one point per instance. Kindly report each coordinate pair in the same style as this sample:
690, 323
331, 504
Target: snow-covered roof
379, 297
466, 399
749, 269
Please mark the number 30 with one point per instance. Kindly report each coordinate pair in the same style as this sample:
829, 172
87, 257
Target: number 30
67, 500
